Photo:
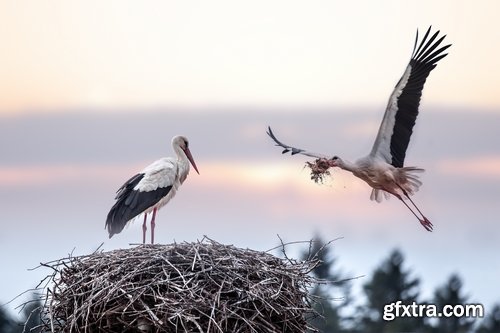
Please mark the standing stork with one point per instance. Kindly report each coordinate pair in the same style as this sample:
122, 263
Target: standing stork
383, 167
150, 189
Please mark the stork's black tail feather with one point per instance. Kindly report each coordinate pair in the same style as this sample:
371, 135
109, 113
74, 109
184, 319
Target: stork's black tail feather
118, 215
130, 203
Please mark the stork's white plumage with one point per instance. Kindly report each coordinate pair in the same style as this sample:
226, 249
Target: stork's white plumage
150, 189
383, 168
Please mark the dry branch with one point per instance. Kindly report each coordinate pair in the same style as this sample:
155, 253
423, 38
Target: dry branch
189, 287
319, 169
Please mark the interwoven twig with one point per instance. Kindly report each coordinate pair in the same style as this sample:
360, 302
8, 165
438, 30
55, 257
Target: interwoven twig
189, 287
319, 169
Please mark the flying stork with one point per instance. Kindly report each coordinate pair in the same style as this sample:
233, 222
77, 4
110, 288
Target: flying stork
150, 189
383, 168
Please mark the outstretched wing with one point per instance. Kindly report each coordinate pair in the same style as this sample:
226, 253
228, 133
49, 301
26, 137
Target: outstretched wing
292, 150
402, 110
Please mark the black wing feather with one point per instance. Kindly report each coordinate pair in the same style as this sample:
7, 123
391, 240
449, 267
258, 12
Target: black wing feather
281, 144
423, 61
293, 150
130, 203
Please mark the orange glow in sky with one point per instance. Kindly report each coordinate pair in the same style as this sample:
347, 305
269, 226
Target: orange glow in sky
58, 55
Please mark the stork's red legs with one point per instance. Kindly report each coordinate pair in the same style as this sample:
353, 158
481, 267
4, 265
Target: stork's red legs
153, 226
424, 221
144, 228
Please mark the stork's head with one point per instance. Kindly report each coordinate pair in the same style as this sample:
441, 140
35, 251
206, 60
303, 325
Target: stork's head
334, 161
181, 142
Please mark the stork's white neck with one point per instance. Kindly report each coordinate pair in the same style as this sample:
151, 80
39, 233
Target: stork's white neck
180, 153
183, 163
346, 165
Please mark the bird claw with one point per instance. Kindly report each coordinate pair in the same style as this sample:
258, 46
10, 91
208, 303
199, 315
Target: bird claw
426, 224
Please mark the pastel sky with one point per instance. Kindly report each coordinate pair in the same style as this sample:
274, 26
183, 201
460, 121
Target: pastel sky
60, 54
92, 91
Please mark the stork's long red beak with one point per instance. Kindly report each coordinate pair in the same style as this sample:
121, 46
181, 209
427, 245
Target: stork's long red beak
190, 158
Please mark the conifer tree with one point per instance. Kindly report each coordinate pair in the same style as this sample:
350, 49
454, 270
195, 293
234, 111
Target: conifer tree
491, 324
390, 283
451, 294
330, 298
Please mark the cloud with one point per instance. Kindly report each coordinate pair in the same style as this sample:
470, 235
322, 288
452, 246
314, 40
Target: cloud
282, 189
42, 176
485, 167
178, 54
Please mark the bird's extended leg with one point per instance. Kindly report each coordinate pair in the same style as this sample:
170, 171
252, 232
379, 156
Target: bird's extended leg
153, 226
411, 210
424, 221
144, 228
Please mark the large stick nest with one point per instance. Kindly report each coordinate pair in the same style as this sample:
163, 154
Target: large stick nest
190, 287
